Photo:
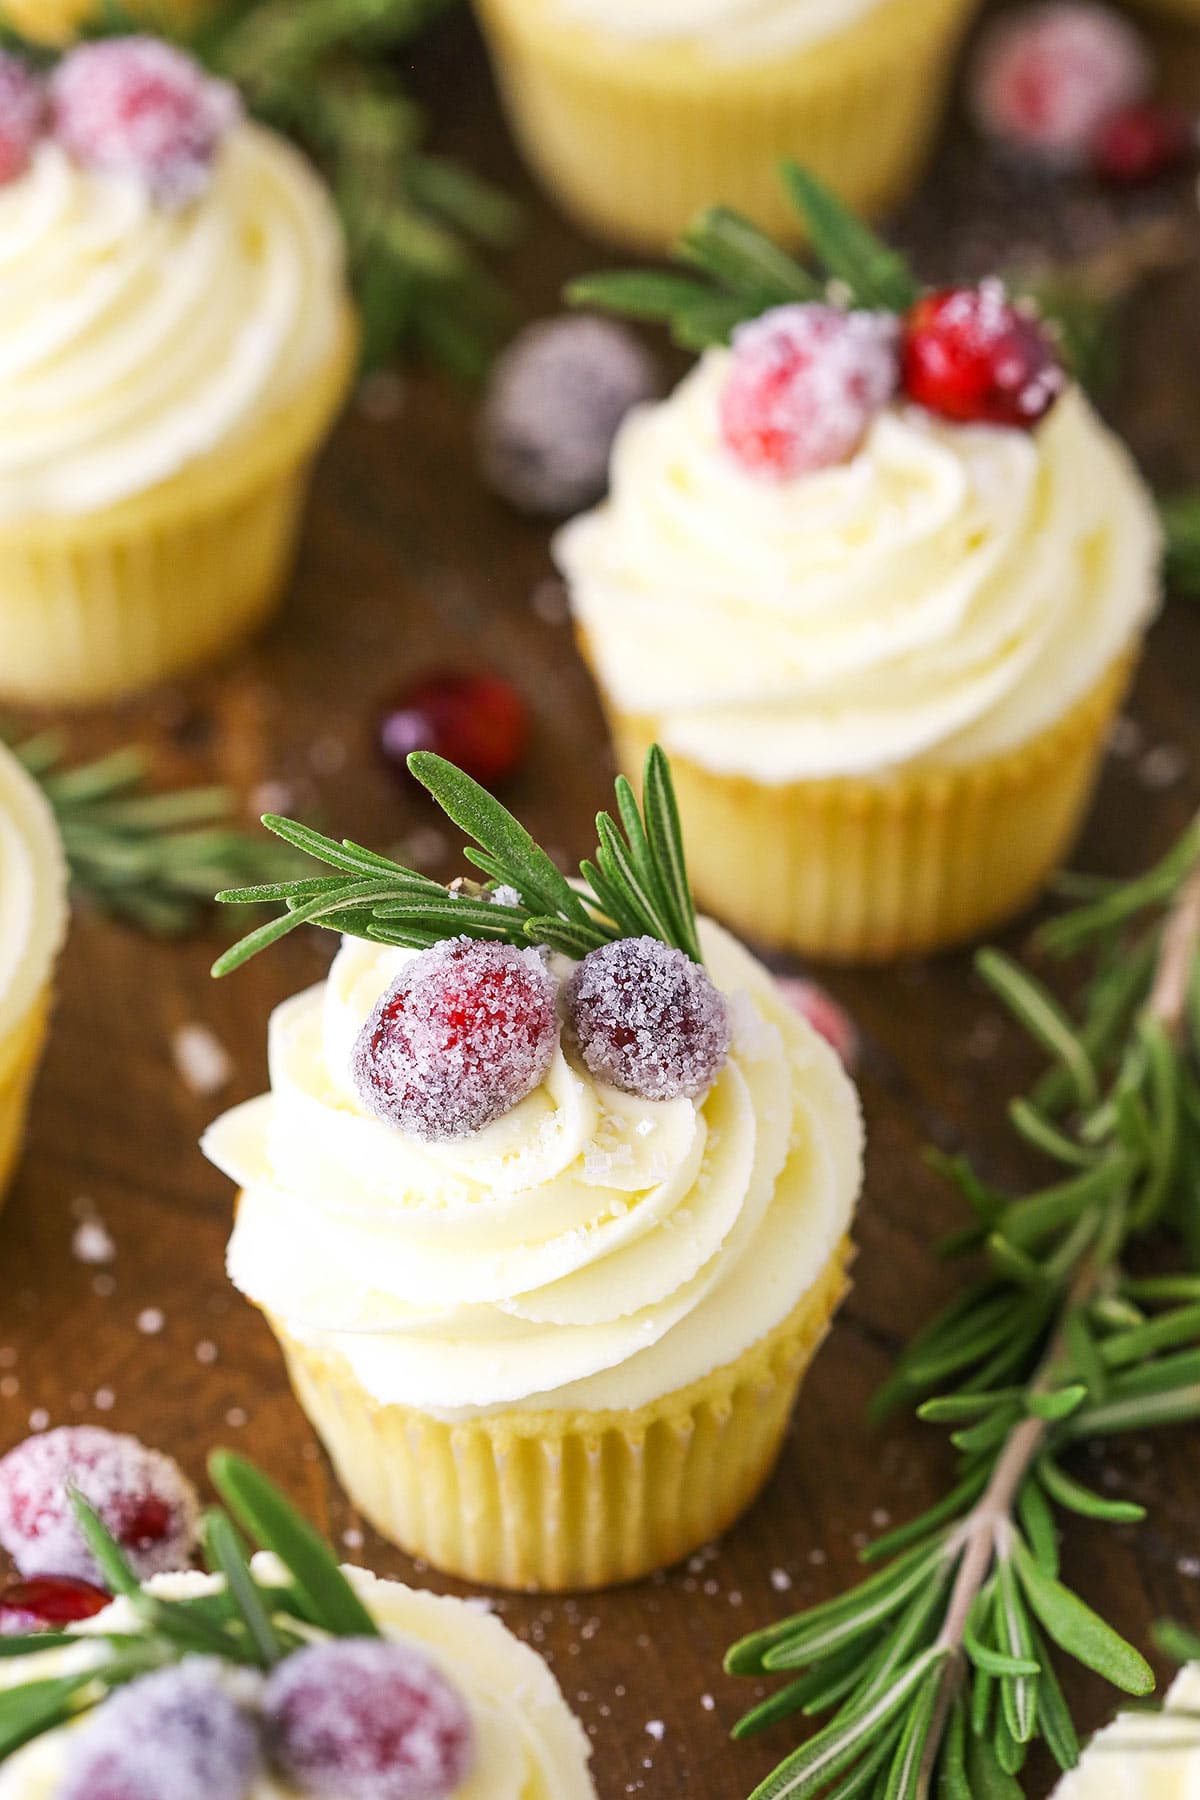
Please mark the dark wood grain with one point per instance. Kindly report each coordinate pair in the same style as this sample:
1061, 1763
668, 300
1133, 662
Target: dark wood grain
407, 563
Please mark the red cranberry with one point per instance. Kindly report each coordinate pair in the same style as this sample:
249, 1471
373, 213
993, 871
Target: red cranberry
972, 356
142, 1496
465, 1033
22, 114
177, 1735
476, 721
363, 1719
48, 1603
826, 1017
1045, 78
135, 106
648, 1020
1139, 143
803, 386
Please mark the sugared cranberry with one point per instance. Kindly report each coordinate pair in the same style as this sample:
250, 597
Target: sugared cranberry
804, 384
1140, 143
143, 1497
826, 1017
177, 1735
460, 1038
137, 107
1046, 78
361, 1719
476, 721
22, 113
972, 356
48, 1603
648, 1020
554, 402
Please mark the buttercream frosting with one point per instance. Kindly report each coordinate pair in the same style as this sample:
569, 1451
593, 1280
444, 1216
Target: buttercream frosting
589, 1250
735, 30
529, 1746
136, 339
33, 884
1144, 1755
946, 594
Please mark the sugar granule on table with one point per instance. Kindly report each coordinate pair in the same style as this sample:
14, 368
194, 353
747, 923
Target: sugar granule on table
202, 1061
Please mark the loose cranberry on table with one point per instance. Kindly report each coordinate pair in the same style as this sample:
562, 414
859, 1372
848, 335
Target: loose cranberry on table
804, 384
1140, 143
144, 1499
48, 1603
971, 355
359, 1719
648, 1020
176, 1735
22, 114
478, 722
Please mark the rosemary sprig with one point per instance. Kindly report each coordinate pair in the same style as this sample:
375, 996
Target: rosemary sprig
637, 884
1180, 515
153, 859
937, 1671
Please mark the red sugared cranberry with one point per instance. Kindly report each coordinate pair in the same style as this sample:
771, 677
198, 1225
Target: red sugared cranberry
361, 1719
177, 1735
1139, 143
803, 386
143, 1497
137, 107
1046, 78
460, 1038
648, 1020
476, 721
48, 1603
22, 113
972, 356
826, 1017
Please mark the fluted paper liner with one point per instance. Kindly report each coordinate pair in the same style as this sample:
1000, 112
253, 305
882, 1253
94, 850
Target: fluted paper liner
20, 1054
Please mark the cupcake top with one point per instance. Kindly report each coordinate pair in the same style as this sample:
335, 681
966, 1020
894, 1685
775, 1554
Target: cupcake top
170, 275
33, 891
732, 30
1145, 1755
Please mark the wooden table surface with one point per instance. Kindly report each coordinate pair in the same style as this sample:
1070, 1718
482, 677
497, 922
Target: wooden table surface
407, 564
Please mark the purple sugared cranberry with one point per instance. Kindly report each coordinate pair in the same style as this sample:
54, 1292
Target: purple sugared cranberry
177, 1735
22, 115
362, 1719
461, 1037
479, 722
648, 1020
144, 1499
48, 1603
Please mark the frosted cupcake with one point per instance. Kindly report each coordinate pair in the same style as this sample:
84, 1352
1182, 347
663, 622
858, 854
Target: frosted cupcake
636, 112
548, 1236
876, 579
295, 1681
33, 918
176, 340
1145, 1755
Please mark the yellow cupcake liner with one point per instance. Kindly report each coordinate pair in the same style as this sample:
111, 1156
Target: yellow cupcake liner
863, 871
20, 1054
554, 1501
98, 606
633, 138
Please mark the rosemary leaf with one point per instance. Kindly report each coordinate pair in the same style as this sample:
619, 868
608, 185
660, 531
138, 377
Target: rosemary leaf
874, 274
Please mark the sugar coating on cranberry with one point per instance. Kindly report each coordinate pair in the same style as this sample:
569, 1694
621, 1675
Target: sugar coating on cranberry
803, 386
831, 1021
22, 115
648, 1020
144, 1499
1142, 142
137, 107
363, 1719
466, 1031
971, 355
179, 1734
48, 1603
1045, 78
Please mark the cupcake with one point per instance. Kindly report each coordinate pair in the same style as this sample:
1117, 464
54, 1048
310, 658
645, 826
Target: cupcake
549, 1214
33, 919
283, 1678
1144, 1755
636, 112
875, 575
177, 339
58, 21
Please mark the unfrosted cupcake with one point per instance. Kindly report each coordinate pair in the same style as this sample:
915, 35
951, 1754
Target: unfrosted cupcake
876, 579
636, 112
176, 340
548, 1237
33, 918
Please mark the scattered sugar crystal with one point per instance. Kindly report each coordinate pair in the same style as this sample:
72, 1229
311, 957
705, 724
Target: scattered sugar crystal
708, 1703
206, 1351
352, 1538
1162, 767
39, 1419
781, 1581
235, 1418
104, 1399
10, 1387
151, 1320
201, 1059
91, 1242
656, 1728
1125, 737
1189, 1567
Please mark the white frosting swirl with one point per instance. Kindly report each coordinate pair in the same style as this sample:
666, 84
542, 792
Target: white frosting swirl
33, 892
135, 339
946, 594
734, 30
529, 1744
589, 1250
1145, 1755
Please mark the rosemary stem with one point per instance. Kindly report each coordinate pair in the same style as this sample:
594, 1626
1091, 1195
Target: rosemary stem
1180, 943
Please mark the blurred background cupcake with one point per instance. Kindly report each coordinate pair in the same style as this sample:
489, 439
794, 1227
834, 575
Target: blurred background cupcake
176, 340
636, 112
58, 21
